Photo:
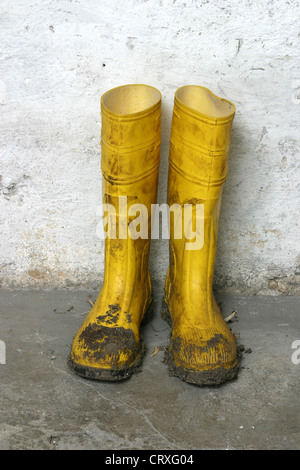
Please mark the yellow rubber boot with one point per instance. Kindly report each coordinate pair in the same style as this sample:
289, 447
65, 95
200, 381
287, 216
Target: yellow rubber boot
202, 349
108, 346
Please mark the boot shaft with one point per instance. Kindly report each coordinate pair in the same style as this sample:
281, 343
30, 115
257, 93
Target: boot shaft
198, 166
130, 142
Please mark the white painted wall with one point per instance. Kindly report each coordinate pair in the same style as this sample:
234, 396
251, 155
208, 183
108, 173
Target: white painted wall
59, 56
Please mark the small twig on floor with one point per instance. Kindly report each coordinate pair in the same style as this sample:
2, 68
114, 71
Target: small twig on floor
85, 313
227, 319
157, 349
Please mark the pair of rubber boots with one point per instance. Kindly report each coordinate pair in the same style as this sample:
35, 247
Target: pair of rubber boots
109, 346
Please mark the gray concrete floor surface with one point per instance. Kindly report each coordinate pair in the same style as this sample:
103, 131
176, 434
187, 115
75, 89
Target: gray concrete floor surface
44, 405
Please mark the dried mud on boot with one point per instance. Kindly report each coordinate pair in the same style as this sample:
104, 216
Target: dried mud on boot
123, 339
212, 377
109, 375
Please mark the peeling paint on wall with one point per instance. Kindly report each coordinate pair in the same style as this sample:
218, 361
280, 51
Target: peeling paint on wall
58, 57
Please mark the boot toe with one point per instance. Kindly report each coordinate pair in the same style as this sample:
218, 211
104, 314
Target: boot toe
105, 353
203, 356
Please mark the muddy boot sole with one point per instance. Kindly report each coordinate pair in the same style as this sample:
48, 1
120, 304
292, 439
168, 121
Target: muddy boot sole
115, 375
216, 376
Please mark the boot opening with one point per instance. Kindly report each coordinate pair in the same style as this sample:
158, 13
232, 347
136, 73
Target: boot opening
204, 101
130, 99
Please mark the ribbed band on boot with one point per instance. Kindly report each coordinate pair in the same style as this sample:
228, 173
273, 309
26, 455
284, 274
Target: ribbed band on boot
206, 137
130, 136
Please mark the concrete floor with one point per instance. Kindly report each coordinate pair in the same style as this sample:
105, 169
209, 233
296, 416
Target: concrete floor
43, 405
